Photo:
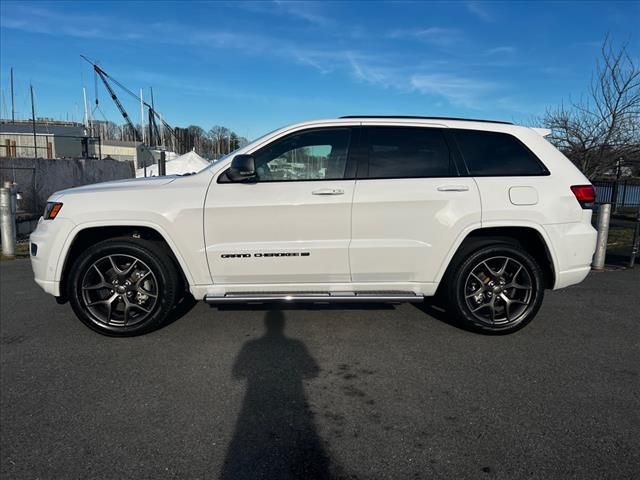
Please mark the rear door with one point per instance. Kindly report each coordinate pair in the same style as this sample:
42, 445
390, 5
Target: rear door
410, 204
293, 225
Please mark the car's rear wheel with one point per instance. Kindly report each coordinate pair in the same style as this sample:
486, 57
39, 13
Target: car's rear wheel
497, 288
123, 287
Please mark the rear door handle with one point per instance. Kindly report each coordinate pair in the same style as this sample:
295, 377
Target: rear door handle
328, 191
453, 188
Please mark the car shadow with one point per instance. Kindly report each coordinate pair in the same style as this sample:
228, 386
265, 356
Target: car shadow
431, 306
436, 309
275, 435
184, 306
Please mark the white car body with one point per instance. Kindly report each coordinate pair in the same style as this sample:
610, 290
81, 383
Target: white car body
360, 234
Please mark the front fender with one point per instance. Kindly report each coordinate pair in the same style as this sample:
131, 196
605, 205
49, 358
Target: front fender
179, 253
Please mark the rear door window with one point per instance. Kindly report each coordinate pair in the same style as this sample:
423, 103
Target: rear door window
496, 154
407, 152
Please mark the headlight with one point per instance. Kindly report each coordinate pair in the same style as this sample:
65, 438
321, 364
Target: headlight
52, 210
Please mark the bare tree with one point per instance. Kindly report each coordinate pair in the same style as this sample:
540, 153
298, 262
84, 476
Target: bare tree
219, 136
603, 128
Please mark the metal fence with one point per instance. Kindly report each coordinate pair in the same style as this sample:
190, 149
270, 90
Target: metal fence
37, 179
621, 194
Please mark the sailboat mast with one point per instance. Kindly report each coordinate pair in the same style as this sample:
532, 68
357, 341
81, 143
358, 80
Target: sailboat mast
86, 110
144, 136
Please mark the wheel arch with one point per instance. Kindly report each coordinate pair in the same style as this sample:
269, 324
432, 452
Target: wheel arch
84, 235
532, 237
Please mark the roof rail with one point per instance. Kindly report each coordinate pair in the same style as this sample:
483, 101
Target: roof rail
427, 118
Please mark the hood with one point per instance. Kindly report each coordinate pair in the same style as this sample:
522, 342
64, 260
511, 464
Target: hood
128, 184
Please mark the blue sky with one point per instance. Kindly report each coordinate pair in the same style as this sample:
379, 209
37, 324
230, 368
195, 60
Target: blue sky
256, 66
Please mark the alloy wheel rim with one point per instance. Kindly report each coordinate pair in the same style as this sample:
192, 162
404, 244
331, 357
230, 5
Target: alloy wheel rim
499, 291
119, 291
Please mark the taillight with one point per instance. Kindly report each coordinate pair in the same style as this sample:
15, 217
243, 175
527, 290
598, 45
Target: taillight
585, 194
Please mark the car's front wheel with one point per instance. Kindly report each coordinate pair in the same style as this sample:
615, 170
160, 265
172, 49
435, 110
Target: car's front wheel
123, 287
497, 288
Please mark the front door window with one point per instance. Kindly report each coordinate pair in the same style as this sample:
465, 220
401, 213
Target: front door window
314, 155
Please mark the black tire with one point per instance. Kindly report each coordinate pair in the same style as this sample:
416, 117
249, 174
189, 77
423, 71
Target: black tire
145, 292
488, 303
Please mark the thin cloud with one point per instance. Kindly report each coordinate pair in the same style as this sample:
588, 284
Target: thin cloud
308, 11
433, 35
479, 10
504, 50
48, 22
363, 71
457, 90
42, 21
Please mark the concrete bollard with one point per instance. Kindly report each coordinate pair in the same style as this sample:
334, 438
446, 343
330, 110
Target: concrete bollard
8, 219
604, 215
635, 248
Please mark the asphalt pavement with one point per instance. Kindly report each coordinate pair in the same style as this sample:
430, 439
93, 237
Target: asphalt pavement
363, 392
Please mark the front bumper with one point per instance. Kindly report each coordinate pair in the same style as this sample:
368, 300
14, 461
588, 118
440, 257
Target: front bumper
48, 241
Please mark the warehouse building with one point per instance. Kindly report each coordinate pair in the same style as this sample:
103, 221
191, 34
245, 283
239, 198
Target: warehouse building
52, 140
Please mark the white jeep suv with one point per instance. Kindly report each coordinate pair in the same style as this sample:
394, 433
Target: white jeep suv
357, 209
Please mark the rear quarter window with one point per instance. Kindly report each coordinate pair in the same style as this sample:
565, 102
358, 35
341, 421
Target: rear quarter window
497, 154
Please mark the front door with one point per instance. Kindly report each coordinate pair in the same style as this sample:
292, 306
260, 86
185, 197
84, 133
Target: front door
291, 226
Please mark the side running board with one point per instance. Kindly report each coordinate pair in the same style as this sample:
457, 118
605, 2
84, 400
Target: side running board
318, 297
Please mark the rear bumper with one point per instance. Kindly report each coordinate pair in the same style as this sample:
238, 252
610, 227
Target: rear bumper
574, 245
571, 277
50, 237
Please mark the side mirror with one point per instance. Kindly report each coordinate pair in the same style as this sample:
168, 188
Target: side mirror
243, 169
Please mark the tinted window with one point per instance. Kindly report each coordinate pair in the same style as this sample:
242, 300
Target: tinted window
310, 155
494, 153
407, 152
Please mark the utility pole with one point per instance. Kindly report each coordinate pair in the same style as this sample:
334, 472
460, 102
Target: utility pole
614, 194
151, 119
33, 119
13, 115
151, 139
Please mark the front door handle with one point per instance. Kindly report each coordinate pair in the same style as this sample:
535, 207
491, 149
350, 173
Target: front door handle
328, 191
453, 188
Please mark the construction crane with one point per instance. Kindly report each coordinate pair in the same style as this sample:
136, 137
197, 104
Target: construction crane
153, 114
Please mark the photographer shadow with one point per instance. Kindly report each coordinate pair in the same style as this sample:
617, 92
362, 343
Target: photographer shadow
275, 435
